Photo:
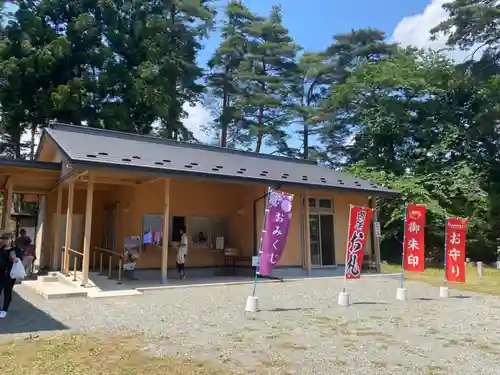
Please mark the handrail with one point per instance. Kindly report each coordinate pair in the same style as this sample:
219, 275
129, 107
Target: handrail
67, 251
108, 251
73, 251
111, 253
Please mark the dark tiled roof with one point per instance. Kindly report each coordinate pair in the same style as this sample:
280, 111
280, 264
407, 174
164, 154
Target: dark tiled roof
26, 163
131, 151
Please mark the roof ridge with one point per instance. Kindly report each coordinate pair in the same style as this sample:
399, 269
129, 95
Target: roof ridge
170, 142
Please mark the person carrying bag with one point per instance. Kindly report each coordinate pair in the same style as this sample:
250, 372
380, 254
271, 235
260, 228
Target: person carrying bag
11, 264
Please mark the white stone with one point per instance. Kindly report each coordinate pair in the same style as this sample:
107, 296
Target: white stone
480, 269
401, 294
443, 292
252, 304
344, 299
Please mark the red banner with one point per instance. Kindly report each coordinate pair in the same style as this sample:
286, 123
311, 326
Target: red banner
414, 245
456, 235
359, 222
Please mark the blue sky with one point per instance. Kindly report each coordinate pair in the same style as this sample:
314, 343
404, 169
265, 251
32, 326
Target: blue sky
312, 23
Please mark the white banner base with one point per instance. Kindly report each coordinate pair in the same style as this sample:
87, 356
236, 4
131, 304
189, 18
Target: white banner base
401, 294
443, 292
252, 304
344, 299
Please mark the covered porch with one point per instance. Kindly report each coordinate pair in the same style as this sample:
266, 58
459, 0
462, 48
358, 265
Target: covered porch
23, 182
103, 209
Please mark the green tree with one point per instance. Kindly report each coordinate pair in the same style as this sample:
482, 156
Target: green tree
414, 114
471, 25
265, 78
345, 55
187, 23
115, 65
310, 84
224, 64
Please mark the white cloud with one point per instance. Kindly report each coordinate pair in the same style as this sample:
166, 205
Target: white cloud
198, 117
415, 30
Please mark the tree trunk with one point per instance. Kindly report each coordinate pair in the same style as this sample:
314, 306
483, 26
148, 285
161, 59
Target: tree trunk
260, 134
306, 140
224, 119
32, 145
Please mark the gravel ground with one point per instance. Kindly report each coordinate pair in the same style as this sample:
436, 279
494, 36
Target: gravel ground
300, 330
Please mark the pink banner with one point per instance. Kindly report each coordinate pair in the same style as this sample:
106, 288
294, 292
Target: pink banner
275, 233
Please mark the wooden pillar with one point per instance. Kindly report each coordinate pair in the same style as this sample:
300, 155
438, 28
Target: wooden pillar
308, 235
56, 243
166, 221
69, 226
376, 239
7, 200
88, 229
39, 238
2, 223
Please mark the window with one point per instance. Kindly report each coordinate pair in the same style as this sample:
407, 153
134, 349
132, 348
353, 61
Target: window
320, 205
325, 203
177, 223
204, 230
199, 230
152, 228
218, 228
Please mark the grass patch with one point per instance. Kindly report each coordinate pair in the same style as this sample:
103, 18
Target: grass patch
80, 354
489, 283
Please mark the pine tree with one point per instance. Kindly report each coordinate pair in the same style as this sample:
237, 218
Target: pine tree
266, 77
310, 85
224, 65
348, 52
187, 23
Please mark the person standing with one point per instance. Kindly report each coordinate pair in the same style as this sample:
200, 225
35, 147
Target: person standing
182, 252
23, 242
9, 254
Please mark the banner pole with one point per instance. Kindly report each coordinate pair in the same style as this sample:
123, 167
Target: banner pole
403, 253
260, 244
443, 291
347, 249
445, 252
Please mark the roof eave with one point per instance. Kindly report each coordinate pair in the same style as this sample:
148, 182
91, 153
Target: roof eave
85, 164
27, 163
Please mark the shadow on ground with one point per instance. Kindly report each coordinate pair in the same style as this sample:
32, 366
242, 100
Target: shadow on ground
369, 303
282, 309
24, 317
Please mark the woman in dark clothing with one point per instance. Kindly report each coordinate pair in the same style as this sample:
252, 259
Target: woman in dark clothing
8, 255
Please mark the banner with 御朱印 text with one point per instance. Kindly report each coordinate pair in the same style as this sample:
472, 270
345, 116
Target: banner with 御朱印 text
414, 245
456, 235
359, 222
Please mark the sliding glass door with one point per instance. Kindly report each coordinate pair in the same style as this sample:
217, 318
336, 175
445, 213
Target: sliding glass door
322, 239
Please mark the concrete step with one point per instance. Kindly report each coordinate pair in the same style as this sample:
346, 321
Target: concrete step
55, 290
